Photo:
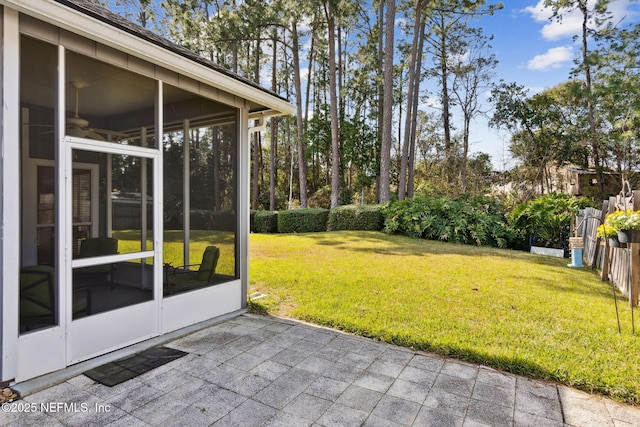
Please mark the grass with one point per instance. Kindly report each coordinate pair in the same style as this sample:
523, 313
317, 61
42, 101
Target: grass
514, 311
129, 241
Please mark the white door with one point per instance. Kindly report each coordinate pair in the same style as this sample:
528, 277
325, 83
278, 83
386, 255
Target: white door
113, 275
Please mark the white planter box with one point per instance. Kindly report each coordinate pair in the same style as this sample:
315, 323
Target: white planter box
559, 253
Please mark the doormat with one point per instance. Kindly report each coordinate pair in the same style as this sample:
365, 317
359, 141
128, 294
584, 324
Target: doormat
114, 373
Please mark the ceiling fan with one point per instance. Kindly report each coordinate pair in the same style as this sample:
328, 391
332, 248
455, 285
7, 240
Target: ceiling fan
79, 127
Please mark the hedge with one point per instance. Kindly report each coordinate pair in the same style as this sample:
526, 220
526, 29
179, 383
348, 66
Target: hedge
303, 220
252, 221
265, 222
356, 217
202, 219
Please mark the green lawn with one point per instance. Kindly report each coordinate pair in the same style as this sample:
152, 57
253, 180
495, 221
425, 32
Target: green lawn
514, 311
173, 250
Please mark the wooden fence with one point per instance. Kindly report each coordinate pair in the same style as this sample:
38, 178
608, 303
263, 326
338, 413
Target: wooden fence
620, 265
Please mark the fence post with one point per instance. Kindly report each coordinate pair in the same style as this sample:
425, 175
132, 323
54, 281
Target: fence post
634, 248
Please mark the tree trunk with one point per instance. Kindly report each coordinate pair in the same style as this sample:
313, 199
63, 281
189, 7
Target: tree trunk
257, 143
593, 132
446, 115
380, 85
465, 153
387, 115
309, 77
414, 122
413, 67
273, 173
340, 70
335, 142
302, 158
257, 147
217, 187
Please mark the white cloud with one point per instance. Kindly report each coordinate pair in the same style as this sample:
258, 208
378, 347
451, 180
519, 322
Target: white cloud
305, 24
555, 57
539, 12
432, 102
304, 74
265, 78
460, 58
553, 29
402, 23
571, 22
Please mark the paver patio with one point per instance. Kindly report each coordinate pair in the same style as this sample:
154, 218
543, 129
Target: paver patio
256, 370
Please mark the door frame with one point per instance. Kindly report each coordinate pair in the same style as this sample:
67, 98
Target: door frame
90, 336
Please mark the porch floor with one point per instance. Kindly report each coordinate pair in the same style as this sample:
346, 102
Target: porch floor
255, 370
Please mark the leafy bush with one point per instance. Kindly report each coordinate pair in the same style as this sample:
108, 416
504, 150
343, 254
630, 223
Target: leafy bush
547, 218
322, 197
266, 222
264, 198
303, 220
356, 217
471, 220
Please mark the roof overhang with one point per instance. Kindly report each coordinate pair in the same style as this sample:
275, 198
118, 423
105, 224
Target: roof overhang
54, 12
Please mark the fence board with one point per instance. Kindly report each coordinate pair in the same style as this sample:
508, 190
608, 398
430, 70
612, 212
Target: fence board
618, 269
620, 273
589, 223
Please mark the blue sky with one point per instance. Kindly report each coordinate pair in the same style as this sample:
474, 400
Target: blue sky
535, 52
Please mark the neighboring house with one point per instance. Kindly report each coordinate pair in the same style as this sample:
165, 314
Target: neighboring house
94, 109
577, 181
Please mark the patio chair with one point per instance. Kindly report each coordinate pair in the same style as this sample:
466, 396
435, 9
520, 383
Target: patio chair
38, 298
183, 278
98, 246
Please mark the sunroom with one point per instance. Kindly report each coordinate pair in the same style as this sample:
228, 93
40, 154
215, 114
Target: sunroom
124, 185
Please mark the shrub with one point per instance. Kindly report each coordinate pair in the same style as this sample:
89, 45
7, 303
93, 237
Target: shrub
303, 220
266, 222
470, 220
252, 220
356, 217
202, 219
223, 220
546, 218
321, 198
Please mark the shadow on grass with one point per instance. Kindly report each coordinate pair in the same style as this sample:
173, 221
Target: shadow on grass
514, 365
400, 245
567, 285
176, 236
564, 280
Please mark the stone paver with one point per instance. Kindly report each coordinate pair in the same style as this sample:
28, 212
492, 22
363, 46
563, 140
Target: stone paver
264, 371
